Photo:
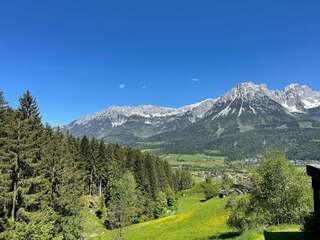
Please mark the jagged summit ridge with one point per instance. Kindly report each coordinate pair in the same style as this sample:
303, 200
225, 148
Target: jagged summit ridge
247, 119
245, 91
245, 100
118, 114
308, 97
294, 97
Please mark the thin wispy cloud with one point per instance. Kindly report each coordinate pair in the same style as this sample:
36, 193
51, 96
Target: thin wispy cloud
121, 86
195, 79
144, 87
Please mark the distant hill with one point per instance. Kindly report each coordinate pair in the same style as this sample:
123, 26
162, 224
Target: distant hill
243, 123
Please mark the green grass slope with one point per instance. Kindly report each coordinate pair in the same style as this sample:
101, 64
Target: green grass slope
195, 220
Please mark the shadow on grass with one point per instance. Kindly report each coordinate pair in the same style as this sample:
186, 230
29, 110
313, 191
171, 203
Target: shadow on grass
228, 235
271, 236
289, 236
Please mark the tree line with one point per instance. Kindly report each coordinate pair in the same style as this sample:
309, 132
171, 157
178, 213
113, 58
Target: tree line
45, 174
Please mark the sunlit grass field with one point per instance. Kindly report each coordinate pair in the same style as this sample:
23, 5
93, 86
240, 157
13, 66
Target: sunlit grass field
195, 220
194, 160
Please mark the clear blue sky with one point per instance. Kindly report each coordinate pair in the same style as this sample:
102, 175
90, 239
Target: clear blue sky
79, 57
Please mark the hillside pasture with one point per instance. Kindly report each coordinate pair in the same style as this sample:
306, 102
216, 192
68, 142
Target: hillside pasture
195, 220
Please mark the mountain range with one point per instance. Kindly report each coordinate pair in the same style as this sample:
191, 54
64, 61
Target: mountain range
244, 122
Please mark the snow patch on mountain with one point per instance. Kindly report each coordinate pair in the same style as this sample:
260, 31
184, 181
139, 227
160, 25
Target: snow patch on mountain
297, 98
253, 110
294, 98
199, 109
119, 122
118, 115
310, 102
245, 91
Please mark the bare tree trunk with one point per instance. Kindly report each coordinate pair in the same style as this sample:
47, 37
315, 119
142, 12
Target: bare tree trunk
90, 182
14, 199
16, 175
100, 187
53, 183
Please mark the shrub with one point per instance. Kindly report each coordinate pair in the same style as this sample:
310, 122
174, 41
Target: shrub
161, 205
72, 228
280, 197
210, 189
239, 212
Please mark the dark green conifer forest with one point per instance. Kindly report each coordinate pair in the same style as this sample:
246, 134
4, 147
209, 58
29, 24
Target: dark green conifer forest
45, 175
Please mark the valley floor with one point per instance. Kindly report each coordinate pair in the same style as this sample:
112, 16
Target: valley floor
195, 220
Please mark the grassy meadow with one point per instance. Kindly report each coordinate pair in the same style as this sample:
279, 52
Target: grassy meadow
194, 220
194, 161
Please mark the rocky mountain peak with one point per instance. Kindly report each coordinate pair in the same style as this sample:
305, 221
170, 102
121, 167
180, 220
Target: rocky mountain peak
298, 98
294, 97
245, 91
297, 88
244, 100
118, 115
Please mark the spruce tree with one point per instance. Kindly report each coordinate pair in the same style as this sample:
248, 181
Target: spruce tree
102, 166
85, 156
53, 166
112, 170
150, 171
5, 182
92, 166
28, 107
22, 154
139, 171
31, 181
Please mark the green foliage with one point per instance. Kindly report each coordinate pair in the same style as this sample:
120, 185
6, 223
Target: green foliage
280, 197
193, 220
123, 199
28, 108
39, 183
184, 179
240, 209
282, 190
41, 227
210, 188
171, 199
160, 205
226, 185
248, 138
122, 205
211, 161
45, 173
71, 228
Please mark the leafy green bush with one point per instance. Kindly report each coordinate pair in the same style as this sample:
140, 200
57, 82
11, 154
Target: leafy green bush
280, 197
161, 205
210, 191
72, 228
210, 188
40, 227
171, 199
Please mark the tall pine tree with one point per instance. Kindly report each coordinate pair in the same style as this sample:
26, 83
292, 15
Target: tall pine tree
5, 183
